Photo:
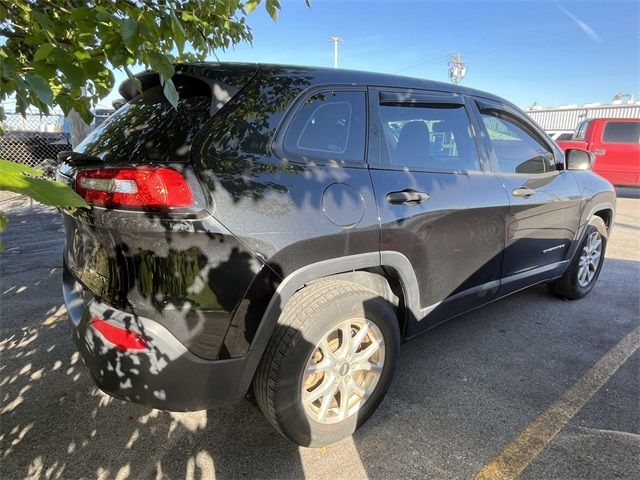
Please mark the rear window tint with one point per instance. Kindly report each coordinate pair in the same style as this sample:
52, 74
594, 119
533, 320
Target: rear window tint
149, 129
621, 132
329, 126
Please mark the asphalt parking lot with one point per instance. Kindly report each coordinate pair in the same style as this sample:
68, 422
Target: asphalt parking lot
555, 383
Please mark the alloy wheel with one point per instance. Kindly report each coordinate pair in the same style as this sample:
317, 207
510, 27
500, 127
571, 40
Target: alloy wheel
343, 370
590, 259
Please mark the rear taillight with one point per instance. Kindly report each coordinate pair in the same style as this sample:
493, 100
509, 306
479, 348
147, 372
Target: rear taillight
134, 187
121, 338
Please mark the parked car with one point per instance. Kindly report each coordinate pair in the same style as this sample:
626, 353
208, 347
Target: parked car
33, 147
616, 145
284, 229
560, 134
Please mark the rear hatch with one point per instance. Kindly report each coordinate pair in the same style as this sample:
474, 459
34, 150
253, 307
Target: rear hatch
120, 248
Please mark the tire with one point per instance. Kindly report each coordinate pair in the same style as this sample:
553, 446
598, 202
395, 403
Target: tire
573, 284
313, 314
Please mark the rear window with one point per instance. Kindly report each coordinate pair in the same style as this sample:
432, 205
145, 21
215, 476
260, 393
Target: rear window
149, 129
621, 132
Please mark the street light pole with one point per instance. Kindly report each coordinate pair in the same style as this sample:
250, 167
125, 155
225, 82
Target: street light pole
335, 41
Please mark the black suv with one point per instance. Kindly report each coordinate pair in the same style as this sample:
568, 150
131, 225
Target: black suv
285, 228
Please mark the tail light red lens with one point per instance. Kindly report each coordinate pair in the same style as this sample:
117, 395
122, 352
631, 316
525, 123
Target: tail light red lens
134, 187
121, 338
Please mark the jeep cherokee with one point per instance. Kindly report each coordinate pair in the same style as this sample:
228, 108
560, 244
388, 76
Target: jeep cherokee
284, 229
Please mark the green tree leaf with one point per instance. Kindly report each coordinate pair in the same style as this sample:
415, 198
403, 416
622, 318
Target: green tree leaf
43, 52
171, 93
40, 88
130, 33
50, 49
251, 5
162, 64
18, 178
272, 6
178, 33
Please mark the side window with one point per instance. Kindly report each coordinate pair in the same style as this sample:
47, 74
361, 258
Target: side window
621, 132
582, 131
517, 149
431, 137
329, 126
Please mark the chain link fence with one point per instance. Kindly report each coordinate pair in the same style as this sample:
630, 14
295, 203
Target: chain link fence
33, 139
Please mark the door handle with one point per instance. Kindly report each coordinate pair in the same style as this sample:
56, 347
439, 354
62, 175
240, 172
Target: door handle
523, 192
599, 151
407, 197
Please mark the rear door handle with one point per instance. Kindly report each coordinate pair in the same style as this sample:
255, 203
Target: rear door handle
599, 151
523, 192
407, 197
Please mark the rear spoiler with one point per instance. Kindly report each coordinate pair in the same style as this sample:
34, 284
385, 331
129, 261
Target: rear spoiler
223, 80
128, 89
70, 156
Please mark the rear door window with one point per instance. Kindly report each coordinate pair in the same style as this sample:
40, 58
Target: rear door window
429, 137
330, 125
621, 132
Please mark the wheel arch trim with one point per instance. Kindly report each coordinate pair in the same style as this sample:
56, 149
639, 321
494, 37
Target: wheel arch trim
596, 221
600, 207
308, 273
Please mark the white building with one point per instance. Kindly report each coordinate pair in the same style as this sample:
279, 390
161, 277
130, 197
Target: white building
567, 117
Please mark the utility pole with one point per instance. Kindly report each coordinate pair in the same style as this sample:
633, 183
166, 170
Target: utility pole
79, 129
335, 41
457, 68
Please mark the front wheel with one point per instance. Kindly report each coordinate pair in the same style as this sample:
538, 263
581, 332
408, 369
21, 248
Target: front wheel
329, 362
585, 268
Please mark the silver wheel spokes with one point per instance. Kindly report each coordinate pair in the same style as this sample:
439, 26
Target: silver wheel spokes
590, 259
343, 370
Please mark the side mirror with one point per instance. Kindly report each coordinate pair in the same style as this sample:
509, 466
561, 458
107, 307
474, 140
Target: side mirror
578, 159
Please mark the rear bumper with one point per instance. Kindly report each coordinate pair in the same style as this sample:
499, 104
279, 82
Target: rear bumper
166, 376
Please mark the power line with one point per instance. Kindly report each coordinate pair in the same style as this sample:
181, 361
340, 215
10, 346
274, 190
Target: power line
423, 63
542, 77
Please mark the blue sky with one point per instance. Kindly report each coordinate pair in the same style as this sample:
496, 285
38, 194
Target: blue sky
545, 51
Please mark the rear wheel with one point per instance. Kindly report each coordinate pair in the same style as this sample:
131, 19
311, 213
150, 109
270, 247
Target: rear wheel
329, 362
585, 268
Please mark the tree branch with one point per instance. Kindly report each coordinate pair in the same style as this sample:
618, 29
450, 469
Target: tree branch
10, 34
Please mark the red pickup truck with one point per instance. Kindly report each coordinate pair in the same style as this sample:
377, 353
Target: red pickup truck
616, 144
